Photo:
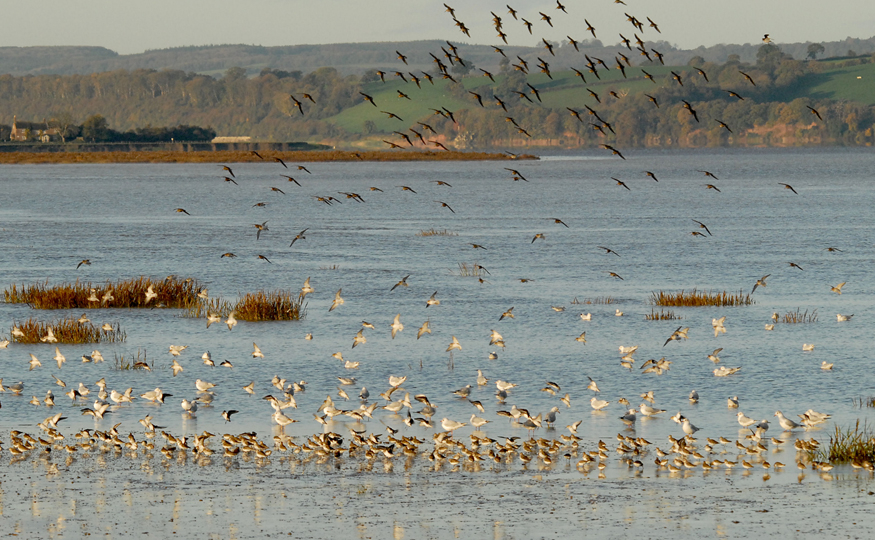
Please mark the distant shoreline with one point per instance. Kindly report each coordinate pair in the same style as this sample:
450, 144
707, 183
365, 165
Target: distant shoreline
237, 156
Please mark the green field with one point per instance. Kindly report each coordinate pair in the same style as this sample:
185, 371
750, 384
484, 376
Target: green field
852, 83
566, 89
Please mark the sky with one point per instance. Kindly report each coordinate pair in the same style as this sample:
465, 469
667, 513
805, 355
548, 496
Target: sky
133, 27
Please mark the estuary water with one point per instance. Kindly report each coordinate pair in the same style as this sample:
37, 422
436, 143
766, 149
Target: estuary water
123, 219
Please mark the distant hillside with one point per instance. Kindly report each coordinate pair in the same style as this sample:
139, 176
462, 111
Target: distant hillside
695, 103
356, 58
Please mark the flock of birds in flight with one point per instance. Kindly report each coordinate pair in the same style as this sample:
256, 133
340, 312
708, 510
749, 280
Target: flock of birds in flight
686, 452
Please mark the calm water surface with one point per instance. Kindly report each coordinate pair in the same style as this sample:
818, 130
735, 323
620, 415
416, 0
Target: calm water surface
122, 218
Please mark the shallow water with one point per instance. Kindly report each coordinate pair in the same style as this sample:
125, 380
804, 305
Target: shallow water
122, 218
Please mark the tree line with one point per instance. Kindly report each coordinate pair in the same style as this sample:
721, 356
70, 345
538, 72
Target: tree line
271, 106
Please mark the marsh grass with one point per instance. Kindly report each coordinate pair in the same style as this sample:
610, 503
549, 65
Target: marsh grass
597, 300
172, 292
697, 298
67, 331
856, 443
861, 402
797, 317
279, 305
131, 362
471, 270
435, 232
211, 305
661, 315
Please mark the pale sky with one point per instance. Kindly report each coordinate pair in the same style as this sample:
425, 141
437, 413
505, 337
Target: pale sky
131, 27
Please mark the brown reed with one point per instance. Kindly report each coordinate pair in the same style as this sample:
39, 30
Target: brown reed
596, 300
131, 362
696, 298
435, 232
471, 270
67, 331
796, 317
277, 305
172, 292
661, 315
204, 307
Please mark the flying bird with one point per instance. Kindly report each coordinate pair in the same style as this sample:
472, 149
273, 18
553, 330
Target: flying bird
402, 283
760, 283
299, 236
337, 300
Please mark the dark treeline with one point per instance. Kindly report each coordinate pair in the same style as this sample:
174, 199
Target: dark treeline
764, 117
772, 111
232, 104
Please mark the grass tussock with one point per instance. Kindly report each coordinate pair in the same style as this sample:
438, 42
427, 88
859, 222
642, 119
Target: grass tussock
798, 317
861, 402
277, 305
66, 331
435, 232
210, 305
851, 444
167, 156
661, 315
471, 270
597, 300
261, 305
697, 298
172, 292
131, 362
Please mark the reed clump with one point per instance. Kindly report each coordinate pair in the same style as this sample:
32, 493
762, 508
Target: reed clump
435, 232
851, 444
861, 402
130, 362
597, 300
173, 292
797, 317
204, 307
66, 331
697, 298
279, 305
471, 270
661, 315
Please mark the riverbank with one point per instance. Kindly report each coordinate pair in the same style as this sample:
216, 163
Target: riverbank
238, 156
